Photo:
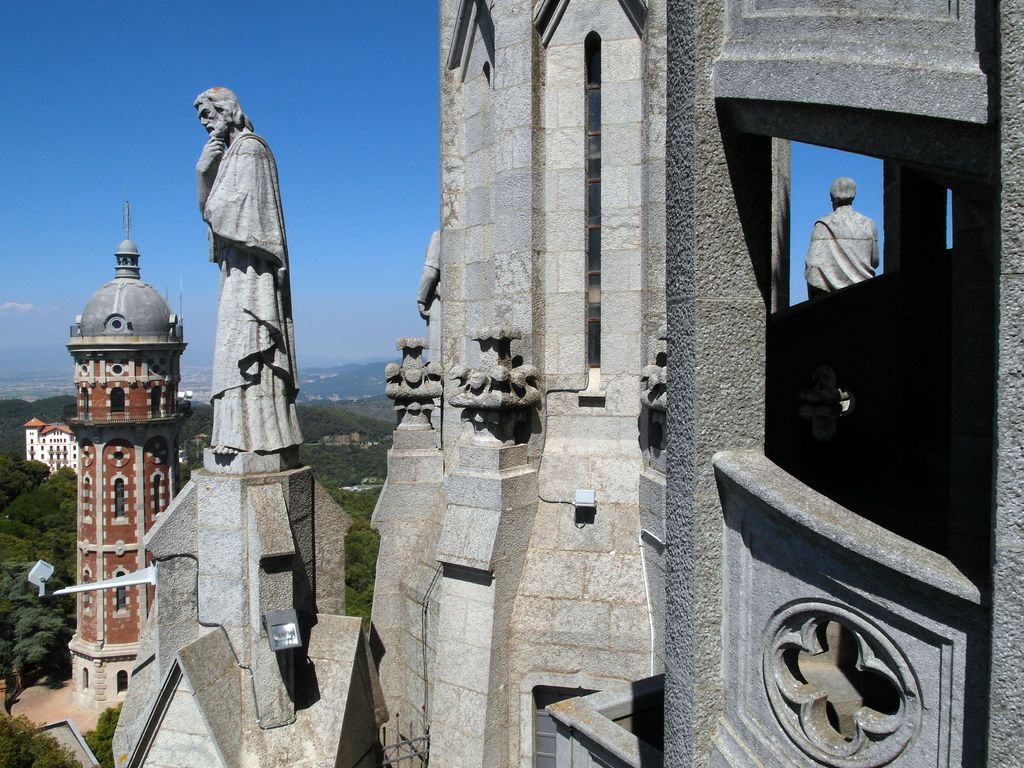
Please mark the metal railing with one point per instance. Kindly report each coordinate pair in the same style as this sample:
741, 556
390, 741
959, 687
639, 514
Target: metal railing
414, 749
72, 415
173, 333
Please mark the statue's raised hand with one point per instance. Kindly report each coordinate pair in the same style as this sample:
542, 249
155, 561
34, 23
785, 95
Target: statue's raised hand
211, 155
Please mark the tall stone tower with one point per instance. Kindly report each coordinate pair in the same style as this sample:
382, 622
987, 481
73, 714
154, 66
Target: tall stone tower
127, 347
521, 557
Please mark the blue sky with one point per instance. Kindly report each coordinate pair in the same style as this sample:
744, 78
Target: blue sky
99, 101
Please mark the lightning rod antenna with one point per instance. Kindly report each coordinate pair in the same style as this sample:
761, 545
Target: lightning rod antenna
126, 218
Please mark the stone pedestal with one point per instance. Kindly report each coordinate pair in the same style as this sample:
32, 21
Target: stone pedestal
408, 518
235, 544
492, 497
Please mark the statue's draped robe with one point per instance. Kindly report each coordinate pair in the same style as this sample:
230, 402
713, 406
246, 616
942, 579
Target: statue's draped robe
432, 261
843, 250
254, 371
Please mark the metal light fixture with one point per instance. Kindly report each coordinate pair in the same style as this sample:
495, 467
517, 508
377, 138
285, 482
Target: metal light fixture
585, 504
40, 572
283, 629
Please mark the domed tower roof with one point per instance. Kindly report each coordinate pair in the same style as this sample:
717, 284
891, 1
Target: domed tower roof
126, 306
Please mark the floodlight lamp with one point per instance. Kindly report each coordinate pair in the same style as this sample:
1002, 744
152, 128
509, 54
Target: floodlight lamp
38, 575
283, 629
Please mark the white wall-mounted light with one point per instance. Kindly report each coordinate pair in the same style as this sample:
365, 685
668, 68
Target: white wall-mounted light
283, 629
585, 497
585, 505
39, 574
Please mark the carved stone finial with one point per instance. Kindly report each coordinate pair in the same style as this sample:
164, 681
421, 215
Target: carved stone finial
498, 386
824, 403
413, 385
498, 383
654, 379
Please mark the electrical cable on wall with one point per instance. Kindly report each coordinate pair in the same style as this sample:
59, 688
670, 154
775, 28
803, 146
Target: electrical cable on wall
544, 440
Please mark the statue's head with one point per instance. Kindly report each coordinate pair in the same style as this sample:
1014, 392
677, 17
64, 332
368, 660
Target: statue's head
219, 112
843, 190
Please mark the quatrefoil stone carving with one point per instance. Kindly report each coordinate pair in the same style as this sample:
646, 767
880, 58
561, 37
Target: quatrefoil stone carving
839, 687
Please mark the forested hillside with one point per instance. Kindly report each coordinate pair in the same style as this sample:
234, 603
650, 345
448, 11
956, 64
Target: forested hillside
37, 522
14, 413
362, 458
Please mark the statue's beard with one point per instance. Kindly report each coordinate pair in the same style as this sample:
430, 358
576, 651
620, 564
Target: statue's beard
220, 131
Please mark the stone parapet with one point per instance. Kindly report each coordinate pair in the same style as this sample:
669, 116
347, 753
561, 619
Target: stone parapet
826, 612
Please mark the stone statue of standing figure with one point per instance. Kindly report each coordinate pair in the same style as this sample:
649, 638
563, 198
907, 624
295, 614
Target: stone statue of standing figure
255, 378
428, 297
844, 245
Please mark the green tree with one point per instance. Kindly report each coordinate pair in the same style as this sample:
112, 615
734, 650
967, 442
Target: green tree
18, 476
34, 631
22, 745
101, 739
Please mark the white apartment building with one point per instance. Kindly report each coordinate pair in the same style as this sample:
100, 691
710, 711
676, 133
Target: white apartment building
52, 444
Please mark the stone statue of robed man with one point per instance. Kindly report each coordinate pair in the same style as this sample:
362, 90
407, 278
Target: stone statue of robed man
844, 244
254, 372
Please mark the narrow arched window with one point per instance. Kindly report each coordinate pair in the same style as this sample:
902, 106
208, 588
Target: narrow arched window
117, 400
120, 598
85, 402
592, 106
157, 481
119, 498
122, 681
85, 679
154, 401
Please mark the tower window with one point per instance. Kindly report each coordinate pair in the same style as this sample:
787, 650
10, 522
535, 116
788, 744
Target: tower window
120, 598
117, 400
119, 498
122, 681
592, 106
157, 480
154, 401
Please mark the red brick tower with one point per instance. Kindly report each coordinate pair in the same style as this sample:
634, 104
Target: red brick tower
127, 347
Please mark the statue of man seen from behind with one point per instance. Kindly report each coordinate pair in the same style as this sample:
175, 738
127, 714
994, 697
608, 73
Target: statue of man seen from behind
844, 245
254, 372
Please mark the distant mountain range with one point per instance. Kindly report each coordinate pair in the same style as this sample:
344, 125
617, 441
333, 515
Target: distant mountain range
349, 381
342, 382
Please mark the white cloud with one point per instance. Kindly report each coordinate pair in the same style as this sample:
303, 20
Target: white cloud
17, 306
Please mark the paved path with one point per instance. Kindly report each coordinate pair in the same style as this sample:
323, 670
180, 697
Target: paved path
42, 704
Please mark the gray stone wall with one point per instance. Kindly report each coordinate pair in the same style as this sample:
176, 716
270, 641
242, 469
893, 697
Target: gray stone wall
405, 613
1006, 740
742, 80
716, 316
530, 595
